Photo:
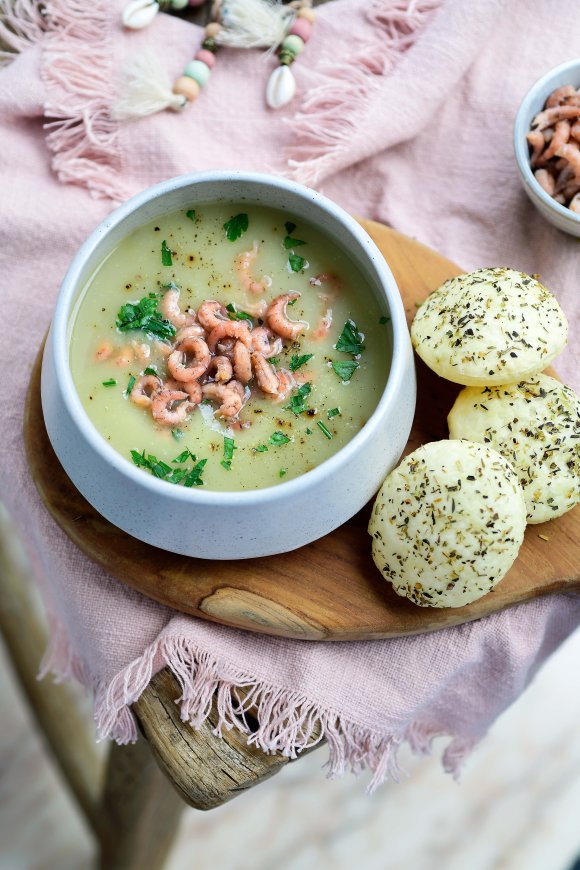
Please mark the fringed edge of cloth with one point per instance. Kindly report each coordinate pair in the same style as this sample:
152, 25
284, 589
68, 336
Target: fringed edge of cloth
289, 722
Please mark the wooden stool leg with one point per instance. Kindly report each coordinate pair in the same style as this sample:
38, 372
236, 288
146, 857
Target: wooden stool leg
52, 704
140, 810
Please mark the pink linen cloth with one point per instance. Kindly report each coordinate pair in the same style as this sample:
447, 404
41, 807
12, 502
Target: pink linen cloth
404, 113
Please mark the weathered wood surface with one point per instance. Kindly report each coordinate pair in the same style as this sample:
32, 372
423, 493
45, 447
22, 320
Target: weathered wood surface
329, 590
205, 770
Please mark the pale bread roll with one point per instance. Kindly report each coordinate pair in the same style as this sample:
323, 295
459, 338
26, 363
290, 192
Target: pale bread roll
447, 524
492, 326
535, 425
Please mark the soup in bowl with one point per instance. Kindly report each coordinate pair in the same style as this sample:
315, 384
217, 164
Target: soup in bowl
228, 373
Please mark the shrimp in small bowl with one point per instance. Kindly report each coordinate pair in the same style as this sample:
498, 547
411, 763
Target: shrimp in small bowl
547, 146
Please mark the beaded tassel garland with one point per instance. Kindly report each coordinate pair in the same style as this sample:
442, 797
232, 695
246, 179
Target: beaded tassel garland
242, 24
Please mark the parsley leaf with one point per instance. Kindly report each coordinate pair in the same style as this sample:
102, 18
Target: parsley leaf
298, 361
144, 315
309, 431
184, 456
229, 447
261, 448
110, 383
289, 242
166, 254
349, 340
290, 227
130, 384
321, 426
191, 214
236, 225
278, 438
150, 370
297, 400
345, 370
234, 314
334, 412
296, 262
160, 469
177, 434
194, 476
282, 472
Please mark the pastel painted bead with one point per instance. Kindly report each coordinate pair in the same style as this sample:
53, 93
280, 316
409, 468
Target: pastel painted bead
306, 14
207, 57
301, 28
293, 43
212, 29
179, 4
187, 88
198, 71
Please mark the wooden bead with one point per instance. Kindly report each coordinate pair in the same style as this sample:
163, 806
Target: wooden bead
212, 29
187, 87
302, 28
306, 14
198, 71
208, 57
293, 44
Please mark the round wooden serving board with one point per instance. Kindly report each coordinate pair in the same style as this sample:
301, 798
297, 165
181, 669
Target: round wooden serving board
329, 590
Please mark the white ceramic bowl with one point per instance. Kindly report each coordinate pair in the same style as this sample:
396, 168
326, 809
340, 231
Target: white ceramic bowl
228, 525
557, 214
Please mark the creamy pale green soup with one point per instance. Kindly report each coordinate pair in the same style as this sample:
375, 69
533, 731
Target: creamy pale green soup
268, 443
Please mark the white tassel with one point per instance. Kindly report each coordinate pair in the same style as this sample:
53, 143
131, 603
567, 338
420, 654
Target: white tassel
147, 90
254, 23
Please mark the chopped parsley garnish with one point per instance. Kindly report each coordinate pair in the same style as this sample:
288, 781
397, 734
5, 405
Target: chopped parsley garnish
236, 225
296, 262
349, 340
261, 448
282, 472
297, 400
323, 428
194, 476
130, 384
308, 431
166, 254
185, 455
191, 214
298, 361
234, 314
110, 383
229, 448
289, 227
177, 434
383, 320
345, 370
278, 438
273, 360
150, 371
289, 242
160, 469
144, 315
334, 412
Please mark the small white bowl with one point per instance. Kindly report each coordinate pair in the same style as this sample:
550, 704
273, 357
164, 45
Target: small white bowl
228, 525
558, 215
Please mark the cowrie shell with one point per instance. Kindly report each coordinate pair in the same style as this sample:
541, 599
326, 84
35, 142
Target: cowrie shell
281, 87
139, 14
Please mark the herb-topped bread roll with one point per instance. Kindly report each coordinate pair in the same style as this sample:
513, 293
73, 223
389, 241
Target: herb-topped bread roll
535, 425
492, 326
447, 524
